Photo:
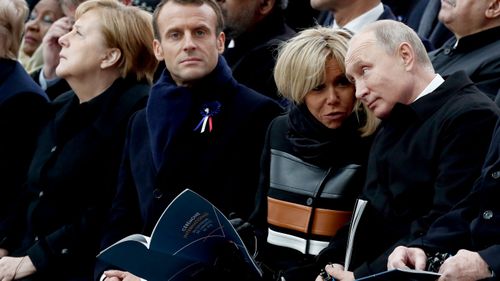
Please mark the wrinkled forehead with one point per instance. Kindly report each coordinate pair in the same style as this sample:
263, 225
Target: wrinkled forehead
360, 46
175, 15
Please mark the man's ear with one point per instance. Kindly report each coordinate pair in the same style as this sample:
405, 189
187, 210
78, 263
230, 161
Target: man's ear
158, 50
111, 57
221, 39
266, 6
493, 10
407, 55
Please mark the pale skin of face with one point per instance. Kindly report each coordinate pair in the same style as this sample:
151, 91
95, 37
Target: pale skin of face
465, 17
85, 60
331, 102
381, 79
41, 18
189, 43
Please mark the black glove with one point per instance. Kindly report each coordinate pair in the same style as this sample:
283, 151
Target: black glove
246, 231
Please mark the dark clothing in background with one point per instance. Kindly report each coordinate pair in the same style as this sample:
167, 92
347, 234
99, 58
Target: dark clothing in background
23, 111
253, 57
477, 54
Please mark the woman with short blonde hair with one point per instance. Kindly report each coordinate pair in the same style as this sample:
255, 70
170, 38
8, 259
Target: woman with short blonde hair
314, 158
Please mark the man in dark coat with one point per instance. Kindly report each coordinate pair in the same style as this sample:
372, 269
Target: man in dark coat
200, 130
430, 148
475, 47
255, 29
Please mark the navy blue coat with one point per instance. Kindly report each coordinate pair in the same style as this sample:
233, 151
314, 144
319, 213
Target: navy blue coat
221, 165
23, 110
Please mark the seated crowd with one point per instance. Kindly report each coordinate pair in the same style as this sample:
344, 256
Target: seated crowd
111, 108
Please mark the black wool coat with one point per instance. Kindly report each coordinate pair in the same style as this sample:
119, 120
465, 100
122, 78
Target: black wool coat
71, 180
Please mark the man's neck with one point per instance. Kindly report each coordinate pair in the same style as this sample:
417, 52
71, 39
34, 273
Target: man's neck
344, 14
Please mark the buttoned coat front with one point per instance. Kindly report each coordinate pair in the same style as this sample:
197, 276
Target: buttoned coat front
71, 180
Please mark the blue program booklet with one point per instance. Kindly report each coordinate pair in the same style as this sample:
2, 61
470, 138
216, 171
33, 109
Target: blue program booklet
400, 274
188, 235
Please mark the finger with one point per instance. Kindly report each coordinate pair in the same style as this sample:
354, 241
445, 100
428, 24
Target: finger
113, 273
334, 268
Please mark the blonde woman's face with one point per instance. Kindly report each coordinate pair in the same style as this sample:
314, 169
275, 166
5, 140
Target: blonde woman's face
333, 101
83, 49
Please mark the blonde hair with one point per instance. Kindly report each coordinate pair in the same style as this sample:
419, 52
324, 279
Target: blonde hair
13, 14
129, 29
300, 66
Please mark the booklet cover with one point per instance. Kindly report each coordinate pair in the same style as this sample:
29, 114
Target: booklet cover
400, 274
189, 233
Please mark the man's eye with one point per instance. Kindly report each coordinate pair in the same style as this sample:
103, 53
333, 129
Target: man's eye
174, 35
200, 33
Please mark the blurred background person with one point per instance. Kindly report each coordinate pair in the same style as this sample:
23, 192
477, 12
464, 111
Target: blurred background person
475, 46
23, 109
43, 15
254, 30
108, 61
313, 162
46, 76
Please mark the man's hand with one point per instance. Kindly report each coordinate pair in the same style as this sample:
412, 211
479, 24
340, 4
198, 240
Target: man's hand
464, 266
403, 257
3, 252
337, 272
51, 47
13, 268
118, 275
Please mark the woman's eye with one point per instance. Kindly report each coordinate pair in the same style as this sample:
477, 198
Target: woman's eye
319, 87
48, 19
344, 82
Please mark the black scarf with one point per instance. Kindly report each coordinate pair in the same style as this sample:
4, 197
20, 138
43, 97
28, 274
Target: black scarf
172, 112
319, 145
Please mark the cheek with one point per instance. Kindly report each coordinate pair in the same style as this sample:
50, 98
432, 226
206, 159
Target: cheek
43, 29
347, 95
313, 103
